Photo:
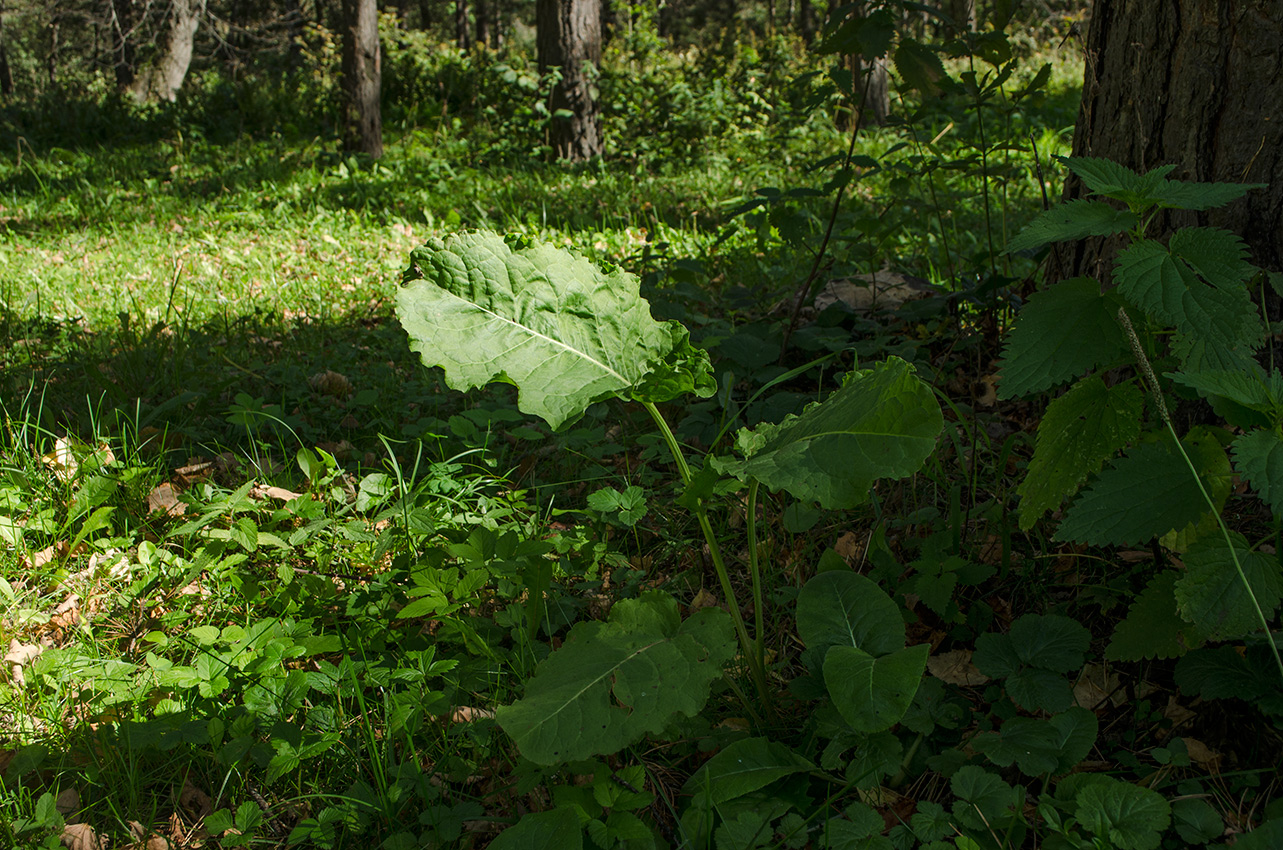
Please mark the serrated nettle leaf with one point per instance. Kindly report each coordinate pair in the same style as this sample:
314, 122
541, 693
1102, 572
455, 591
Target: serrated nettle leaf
1176, 194
1061, 333
613, 682
537, 316
1153, 628
1145, 494
872, 694
1151, 278
1106, 177
882, 423
920, 67
1070, 222
743, 767
1252, 388
1197, 354
843, 608
1221, 672
1079, 431
1258, 456
1212, 596
1218, 256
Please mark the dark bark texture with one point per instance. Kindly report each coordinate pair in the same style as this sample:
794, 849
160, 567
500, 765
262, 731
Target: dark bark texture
1193, 83
569, 38
362, 78
6, 74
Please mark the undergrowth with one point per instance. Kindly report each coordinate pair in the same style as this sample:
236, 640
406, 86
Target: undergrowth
268, 581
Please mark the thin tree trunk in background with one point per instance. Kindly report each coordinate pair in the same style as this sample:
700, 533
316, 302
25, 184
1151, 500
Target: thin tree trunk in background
362, 78
461, 34
122, 43
6, 74
481, 11
1194, 83
569, 38
426, 16
163, 79
806, 20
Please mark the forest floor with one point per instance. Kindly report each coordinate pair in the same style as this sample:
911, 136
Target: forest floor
226, 481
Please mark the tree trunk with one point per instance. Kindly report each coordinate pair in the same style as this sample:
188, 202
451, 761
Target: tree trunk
461, 34
483, 14
122, 42
569, 38
163, 79
6, 74
362, 77
871, 93
806, 20
1194, 83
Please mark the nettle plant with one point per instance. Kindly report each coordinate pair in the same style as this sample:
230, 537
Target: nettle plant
568, 335
1179, 323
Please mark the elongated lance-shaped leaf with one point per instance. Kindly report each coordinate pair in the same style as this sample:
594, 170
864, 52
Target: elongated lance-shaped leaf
1211, 595
527, 313
613, 682
1079, 432
1074, 220
882, 424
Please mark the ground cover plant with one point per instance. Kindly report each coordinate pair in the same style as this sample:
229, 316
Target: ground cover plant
464, 499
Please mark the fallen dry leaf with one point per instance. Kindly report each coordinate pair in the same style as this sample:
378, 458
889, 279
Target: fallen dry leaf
19, 656
468, 714
81, 836
330, 383
62, 460
955, 667
703, 599
164, 498
848, 546
194, 801
68, 804
274, 493
1096, 686
1201, 754
44, 556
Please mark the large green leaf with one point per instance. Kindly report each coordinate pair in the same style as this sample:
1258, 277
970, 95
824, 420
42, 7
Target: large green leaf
1127, 816
1153, 628
872, 694
1078, 433
613, 682
882, 423
1164, 285
537, 316
1071, 221
553, 830
1258, 455
743, 767
1218, 256
1032, 657
843, 608
1061, 333
1115, 180
1145, 494
1212, 596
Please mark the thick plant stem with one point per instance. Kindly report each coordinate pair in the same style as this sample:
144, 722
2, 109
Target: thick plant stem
1152, 380
750, 648
755, 571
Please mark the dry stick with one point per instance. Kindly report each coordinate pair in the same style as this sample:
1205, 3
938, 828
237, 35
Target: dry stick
802, 290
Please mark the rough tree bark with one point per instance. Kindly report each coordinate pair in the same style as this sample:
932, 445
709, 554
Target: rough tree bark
164, 77
362, 78
1194, 83
483, 14
569, 38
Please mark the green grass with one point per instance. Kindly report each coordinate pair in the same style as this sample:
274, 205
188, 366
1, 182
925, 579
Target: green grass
171, 309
